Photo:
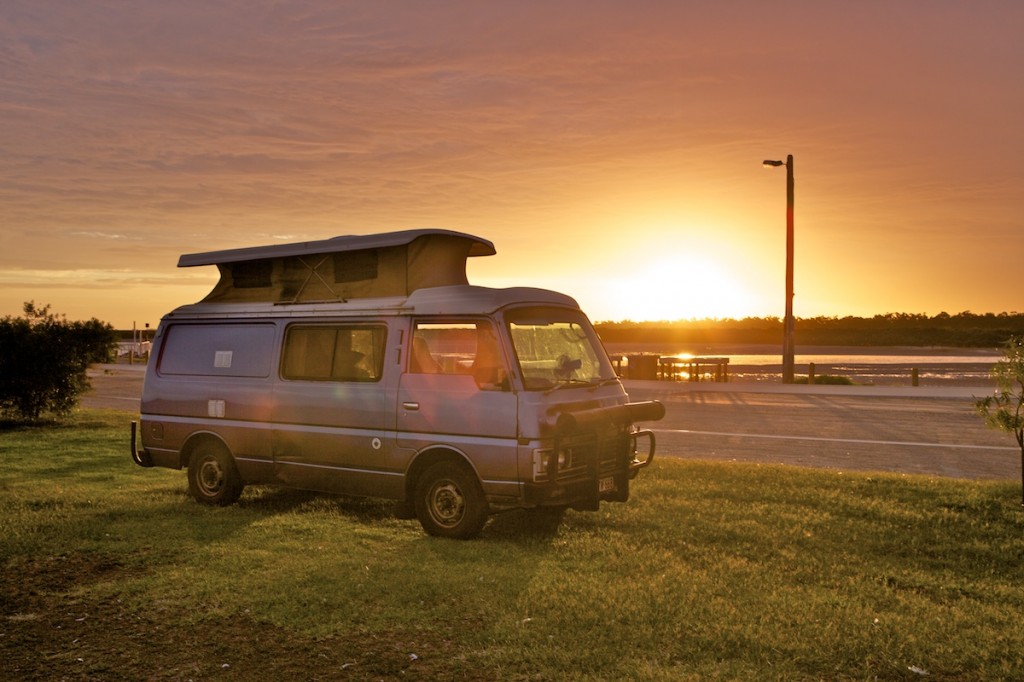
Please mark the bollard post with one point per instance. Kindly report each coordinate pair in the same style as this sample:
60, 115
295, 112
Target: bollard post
810, 374
913, 377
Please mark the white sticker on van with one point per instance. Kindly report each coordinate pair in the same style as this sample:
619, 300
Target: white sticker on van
222, 358
215, 408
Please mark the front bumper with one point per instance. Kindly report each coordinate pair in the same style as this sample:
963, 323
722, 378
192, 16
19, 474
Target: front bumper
594, 467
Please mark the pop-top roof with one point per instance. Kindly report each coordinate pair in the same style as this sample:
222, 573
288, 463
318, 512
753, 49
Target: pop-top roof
340, 268
478, 247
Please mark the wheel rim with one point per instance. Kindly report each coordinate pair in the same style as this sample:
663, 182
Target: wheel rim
210, 477
446, 504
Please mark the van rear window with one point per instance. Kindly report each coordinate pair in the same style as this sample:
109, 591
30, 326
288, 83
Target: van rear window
229, 350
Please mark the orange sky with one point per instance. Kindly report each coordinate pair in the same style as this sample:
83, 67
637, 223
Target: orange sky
610, 150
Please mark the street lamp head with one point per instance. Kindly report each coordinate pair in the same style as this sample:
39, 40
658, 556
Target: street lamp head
768, 163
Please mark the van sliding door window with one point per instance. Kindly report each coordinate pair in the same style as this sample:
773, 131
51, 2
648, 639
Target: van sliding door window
469, 347
333, 353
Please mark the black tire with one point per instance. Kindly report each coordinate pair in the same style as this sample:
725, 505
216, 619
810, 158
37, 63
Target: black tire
450, 502
212, 476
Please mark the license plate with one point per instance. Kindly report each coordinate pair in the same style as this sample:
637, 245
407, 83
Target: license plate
606, 485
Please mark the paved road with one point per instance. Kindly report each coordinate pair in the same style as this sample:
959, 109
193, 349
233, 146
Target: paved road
912, 430
909, 430
117, 387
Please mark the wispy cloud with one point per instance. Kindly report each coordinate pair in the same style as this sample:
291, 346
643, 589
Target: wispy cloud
127, 280
107, 235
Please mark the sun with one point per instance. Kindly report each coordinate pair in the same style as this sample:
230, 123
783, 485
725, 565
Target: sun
678, 287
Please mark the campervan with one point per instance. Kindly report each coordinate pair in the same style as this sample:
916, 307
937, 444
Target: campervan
369, 366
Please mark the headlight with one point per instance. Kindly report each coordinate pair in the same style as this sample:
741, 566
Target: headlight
540, 463
542, 460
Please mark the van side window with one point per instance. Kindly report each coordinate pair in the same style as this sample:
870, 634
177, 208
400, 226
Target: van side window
333, 353
469, 347
226, 350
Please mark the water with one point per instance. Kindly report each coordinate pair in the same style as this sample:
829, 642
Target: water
862, 365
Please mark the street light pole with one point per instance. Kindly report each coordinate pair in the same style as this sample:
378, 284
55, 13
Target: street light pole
788, 324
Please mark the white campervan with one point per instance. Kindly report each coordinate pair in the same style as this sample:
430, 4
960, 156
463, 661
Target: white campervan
367, 365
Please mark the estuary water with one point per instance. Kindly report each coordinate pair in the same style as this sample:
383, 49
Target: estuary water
869, 365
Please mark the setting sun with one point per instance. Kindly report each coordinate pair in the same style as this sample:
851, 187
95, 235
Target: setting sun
677, 287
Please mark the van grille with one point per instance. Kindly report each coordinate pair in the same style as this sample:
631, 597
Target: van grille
590, 454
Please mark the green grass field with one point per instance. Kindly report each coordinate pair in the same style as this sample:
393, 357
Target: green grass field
711, 571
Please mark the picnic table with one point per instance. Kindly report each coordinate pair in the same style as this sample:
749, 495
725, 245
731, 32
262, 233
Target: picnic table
672, 368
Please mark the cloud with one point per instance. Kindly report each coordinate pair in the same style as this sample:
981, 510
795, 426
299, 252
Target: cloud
135, 131
106, 235
88, 278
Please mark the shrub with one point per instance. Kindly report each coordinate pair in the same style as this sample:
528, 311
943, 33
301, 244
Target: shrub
1004, 410
43, 359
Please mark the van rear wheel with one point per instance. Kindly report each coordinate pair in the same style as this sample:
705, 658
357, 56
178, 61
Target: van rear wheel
212, 476
450, 502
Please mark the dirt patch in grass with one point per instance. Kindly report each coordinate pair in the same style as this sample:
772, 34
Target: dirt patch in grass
53, 629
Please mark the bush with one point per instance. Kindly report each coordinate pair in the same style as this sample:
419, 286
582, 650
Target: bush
43, 359
1004, 410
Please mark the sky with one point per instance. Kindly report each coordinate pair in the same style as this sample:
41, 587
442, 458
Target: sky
610, 150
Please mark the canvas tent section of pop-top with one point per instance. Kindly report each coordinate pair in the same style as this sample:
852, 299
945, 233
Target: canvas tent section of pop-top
342, 268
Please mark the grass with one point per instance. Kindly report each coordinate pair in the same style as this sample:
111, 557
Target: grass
711, 571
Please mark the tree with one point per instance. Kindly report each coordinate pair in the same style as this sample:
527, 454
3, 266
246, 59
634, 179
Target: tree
43, 361
1004, 410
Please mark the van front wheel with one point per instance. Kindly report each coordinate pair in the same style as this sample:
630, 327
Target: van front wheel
212, 476
450, 503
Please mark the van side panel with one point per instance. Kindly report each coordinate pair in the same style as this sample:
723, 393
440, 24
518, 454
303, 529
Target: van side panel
331, 407
212, 378
332, 437
450, 409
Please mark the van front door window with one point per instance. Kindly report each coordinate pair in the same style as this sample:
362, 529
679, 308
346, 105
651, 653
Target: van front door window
462, 347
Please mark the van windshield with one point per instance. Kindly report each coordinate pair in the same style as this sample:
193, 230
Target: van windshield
557, 348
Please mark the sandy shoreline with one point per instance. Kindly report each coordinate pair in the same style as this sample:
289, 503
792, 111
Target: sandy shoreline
868, 374
726, 349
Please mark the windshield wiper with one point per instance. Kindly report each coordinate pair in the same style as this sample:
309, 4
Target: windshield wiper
591, 385
603, 382
567, 382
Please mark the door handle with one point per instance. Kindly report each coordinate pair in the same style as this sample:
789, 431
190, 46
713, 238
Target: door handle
412, 407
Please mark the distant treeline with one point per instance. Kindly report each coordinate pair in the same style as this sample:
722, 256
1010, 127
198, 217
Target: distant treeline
966, 330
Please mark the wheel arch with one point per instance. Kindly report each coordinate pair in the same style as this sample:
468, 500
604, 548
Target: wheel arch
431, 456
199, 438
